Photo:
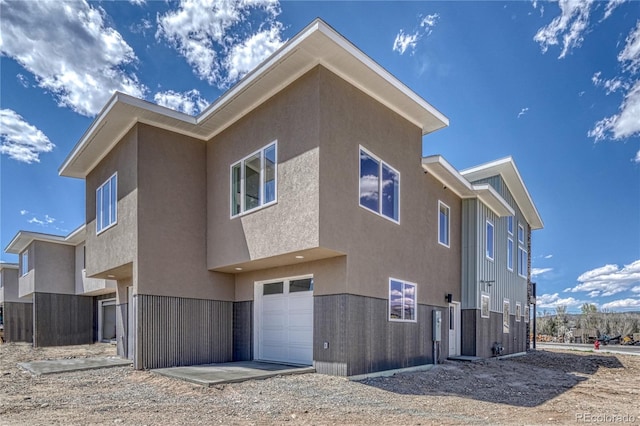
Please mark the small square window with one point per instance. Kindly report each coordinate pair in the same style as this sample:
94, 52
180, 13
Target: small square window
254, 181
301, 285
489, 241
24, 264
443, 224
518, 311
510, 225
402, 300
272, 288
520, 234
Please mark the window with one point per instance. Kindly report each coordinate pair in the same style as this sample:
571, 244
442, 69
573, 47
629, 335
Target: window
522, 262
452, 318
526, 313
518, 311
443, 224
1, 279
24, 264
505, 316
106, 204
305, 284
402, 300
379, 186
510, 254
484, 305
489, 242
520, 234
254, 181
510, 225
273, 288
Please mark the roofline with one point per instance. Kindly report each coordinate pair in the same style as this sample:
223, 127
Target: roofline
496, 167
400, 99
484, 192
8, 265
23, 238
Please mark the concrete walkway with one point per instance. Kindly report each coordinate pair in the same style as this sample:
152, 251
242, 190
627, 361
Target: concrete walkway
74, 364
230, 372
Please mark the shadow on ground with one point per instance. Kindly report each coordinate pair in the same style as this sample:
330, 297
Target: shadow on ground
525, 381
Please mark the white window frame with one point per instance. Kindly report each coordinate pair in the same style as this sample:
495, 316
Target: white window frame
493, 240
518, 311
483, 297
261, 189
24, 263
381, 163
448, 214
510, 225
510, 253
415, 301
522, 268
521, 236
506, 305
112, 220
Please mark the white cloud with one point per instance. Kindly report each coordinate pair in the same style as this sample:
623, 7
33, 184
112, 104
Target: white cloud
569, 26
549, 256
609, 279
594, 293
138, 2
611, 85
612, 4
630, 55
188, 102
522, 112
624, 124
23, 212
369, 187
636, 289
539, 271
404, 41
637, 159
36, 221
20, 140
24, 82
554, 300
218, 39
70, 50
622, 304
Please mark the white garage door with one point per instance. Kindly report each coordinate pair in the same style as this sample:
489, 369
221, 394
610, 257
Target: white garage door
284, 321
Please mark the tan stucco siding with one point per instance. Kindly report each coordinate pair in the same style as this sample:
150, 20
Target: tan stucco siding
172, 203
329, 275
291, 119
378, 248
53, 267
9, 290
117, 246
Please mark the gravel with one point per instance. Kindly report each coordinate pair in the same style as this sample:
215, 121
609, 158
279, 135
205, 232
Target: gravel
542, 387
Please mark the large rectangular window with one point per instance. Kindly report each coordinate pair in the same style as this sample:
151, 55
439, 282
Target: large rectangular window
107, 204
402, 300
489, 241
443, 224
510, 254
379, 186
254, 181
522, 262
24, 263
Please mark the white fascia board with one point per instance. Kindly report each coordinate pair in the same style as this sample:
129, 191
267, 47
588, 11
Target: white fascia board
7, 265
444, 172
78, 235
492, 199
23, 238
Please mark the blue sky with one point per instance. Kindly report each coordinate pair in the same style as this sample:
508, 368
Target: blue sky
556, 85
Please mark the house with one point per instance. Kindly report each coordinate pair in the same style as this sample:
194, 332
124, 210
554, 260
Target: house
16, 318
291, 221
66, 308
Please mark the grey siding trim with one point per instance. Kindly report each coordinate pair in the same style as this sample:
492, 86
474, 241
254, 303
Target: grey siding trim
62, 319
362, 340
175, 331
479, 334
18, 322
243, 331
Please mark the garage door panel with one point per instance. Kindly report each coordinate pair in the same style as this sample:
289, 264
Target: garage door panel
286, 326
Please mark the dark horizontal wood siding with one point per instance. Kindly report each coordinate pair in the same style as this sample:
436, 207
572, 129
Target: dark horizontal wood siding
361, 339
62, 319
480, 334
18, 322
175, 331
243, 331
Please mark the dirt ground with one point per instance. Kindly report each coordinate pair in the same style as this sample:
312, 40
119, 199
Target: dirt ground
542, 387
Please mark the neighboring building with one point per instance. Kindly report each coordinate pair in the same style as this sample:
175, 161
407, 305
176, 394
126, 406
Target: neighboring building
68, 308
291, 221
16, 313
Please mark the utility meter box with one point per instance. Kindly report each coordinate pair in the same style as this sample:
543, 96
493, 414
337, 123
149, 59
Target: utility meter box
437, 326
